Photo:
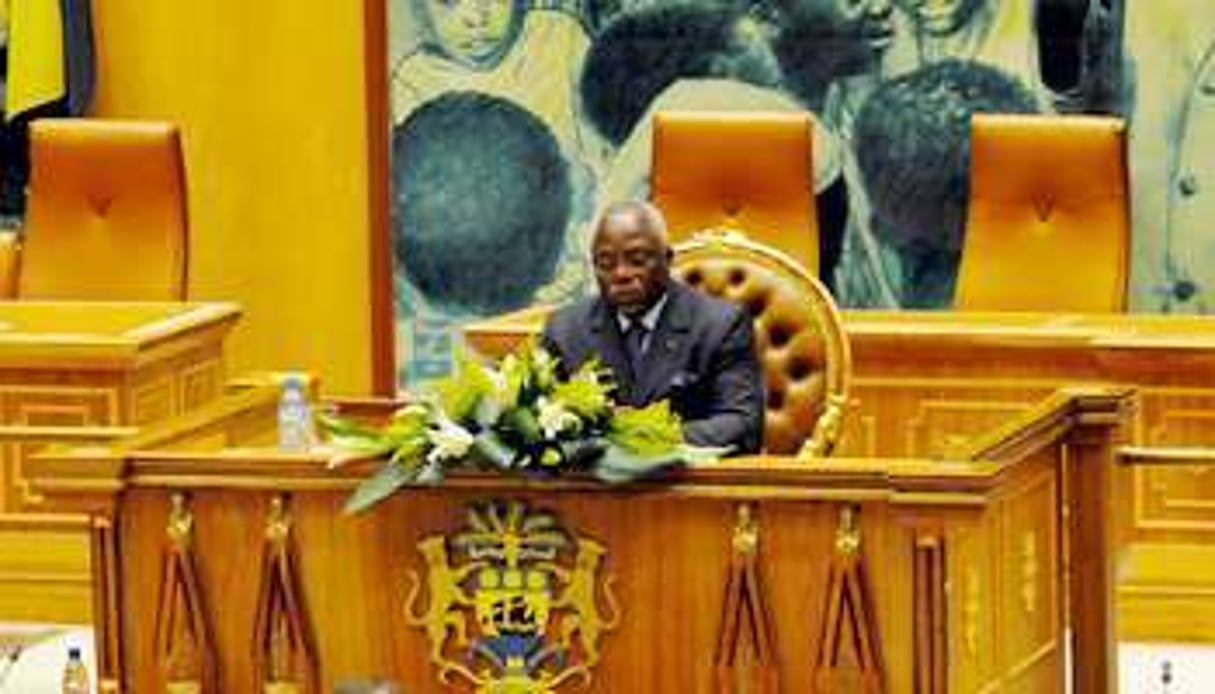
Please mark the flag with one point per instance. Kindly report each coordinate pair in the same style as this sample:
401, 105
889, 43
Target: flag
50, 55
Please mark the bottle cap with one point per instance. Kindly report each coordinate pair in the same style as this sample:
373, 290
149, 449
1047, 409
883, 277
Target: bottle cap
293, 379
74, 652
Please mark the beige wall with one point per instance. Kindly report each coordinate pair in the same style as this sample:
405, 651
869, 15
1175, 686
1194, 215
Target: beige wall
269, 95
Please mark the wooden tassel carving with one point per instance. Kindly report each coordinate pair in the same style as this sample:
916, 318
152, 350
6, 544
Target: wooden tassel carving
284, 655
185, 648
745, 659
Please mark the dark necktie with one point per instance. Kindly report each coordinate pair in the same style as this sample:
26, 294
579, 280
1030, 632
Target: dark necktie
634, 344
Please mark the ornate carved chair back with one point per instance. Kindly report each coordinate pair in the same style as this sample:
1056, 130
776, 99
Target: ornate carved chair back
803, 350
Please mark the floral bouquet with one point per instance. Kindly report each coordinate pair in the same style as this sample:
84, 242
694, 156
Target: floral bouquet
517, 416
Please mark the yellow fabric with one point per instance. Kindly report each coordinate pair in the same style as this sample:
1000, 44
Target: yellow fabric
35, 55
1048, 225
749, 172
106, 217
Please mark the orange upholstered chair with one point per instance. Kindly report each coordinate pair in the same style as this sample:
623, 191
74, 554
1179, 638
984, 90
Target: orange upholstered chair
1048, 222
738, 170
106, 213
798, 333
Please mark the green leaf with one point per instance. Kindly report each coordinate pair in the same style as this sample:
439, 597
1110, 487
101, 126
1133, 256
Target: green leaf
410, 453
492, 449
431, 473
586, 392
618, 465
582, 452
522, 424
651, 430
407, 424
363, 446
460, 392
340, 426
380, 486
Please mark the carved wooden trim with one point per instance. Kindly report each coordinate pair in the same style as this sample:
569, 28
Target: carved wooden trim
185, 647
745, 660
931, 613
849, 656
107, 615
284, 650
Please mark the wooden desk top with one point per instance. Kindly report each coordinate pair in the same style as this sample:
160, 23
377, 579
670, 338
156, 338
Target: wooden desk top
969, 476
498, 335
102, 334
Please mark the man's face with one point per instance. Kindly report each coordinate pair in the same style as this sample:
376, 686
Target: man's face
940, 17
473, 32
632, 263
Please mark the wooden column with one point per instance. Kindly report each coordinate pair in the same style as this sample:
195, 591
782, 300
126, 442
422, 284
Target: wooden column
931, 615
1091, 529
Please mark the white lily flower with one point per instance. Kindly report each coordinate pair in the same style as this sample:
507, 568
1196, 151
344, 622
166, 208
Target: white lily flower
448, 440
554, 418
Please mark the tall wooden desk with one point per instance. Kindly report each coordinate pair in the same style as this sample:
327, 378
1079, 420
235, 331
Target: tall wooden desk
77, 373
236, 567
926, 381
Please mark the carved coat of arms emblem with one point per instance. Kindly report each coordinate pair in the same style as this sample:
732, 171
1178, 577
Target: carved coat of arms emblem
515, 603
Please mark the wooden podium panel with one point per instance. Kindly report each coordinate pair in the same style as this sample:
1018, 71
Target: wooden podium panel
78, 372
236, 568
924, 380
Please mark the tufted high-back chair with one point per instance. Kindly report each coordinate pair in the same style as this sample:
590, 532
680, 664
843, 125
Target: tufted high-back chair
799, 337
748, 171
1048, 223
106, 213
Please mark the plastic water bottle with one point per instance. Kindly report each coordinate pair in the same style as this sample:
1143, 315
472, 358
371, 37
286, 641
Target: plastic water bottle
75, 674
295, 432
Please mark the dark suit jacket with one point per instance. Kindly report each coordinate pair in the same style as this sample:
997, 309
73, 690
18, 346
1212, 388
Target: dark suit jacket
701, 356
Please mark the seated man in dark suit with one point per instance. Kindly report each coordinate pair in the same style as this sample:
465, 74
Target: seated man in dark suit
661, 338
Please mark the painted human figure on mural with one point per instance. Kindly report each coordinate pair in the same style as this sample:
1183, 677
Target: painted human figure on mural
832, 53
913, 150
1055, 47
826, 43
523, 55
996, 32
482, 198
694, 58
504, 48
